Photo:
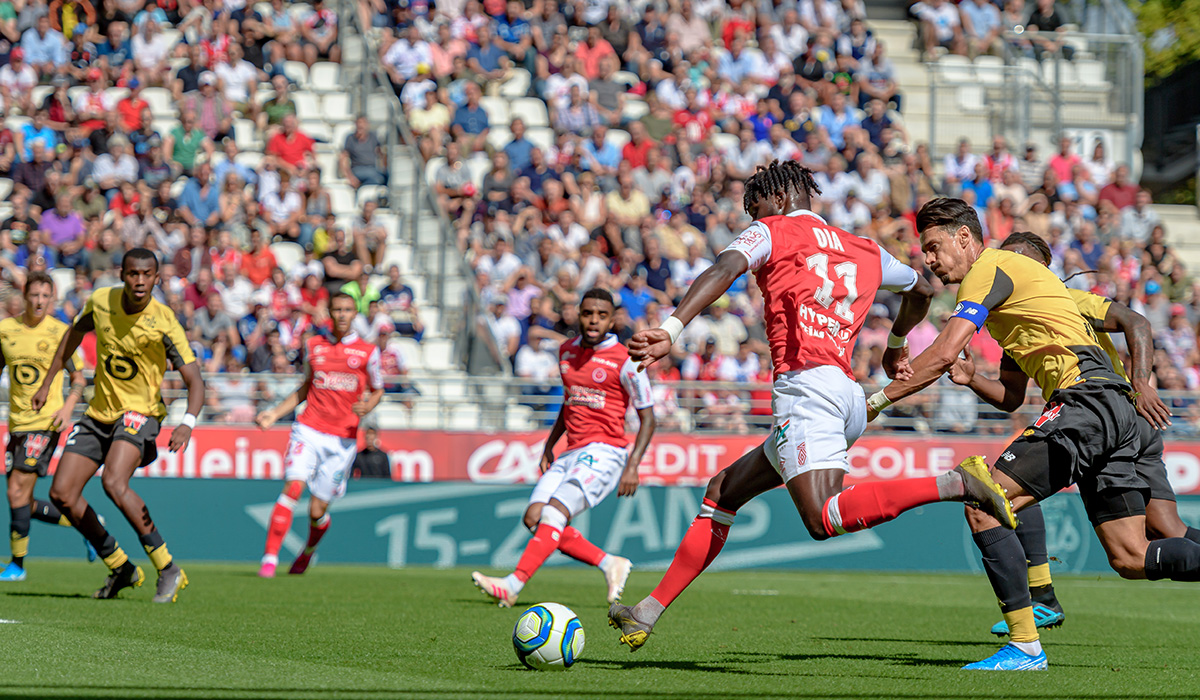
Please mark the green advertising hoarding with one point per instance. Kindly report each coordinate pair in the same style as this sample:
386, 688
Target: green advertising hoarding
479, 525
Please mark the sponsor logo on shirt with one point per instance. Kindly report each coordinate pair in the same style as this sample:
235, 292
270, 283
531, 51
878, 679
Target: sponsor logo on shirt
586, 396
335, 381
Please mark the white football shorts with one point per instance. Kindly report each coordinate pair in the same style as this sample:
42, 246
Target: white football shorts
594, 468
320, 460
819, 413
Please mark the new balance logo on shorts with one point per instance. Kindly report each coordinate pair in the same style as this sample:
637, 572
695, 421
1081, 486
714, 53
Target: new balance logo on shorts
35, 445
133, 422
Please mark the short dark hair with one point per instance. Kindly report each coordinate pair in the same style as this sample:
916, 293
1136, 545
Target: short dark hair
1033, 241
139, 254
779, 176
599, 293
951, 213
340, 295
38, 277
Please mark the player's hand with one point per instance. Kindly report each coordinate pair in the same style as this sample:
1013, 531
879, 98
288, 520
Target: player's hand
180, 437
872, 414
629, 482
39, 399
1150, 406
649, 346
547, 460
963, 369
266, 419
61, 419
360, 408
896, 364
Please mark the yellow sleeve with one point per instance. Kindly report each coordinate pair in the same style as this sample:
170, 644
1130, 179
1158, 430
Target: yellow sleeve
1092, 307
985, 287
179, 352
74, 362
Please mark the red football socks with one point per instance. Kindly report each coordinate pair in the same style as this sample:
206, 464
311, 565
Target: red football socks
543, 544
700, 546
316, 530
281, 517
573, 544
866, 505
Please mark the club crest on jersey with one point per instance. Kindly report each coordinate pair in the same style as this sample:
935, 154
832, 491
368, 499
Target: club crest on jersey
599, 375
35, 445
353, 362
1048, 415
133, 422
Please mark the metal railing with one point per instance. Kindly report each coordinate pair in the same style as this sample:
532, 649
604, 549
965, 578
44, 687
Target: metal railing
434, 256
431, 400
1090, 87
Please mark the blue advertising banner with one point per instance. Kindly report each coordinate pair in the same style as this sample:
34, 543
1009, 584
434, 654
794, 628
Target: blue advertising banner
479, 525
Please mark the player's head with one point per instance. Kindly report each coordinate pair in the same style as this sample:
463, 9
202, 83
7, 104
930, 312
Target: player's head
139, 272
951, 237
1030, 245
779, 188
39, 295
342, 310
597, 311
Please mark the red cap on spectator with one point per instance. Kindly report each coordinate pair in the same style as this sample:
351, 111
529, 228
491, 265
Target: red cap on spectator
94, 74
17, 54
1178, 310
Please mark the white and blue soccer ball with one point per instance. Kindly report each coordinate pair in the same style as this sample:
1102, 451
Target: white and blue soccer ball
548, 636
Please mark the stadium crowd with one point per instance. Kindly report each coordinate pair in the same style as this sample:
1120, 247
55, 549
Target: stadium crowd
626, 170
123, 121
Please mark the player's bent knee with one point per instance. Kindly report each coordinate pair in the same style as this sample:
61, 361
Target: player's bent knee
114, 486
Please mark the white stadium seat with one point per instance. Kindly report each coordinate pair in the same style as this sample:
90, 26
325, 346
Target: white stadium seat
325, 77
531, 110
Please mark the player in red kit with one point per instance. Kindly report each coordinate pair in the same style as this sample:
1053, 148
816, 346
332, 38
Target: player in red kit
817, 283
600, 381
342, 383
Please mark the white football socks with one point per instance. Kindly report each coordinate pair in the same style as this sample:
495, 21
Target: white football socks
1032, 648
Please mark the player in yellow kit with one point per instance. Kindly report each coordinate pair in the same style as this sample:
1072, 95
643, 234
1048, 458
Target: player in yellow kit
27, 344
1088, 433
136, 336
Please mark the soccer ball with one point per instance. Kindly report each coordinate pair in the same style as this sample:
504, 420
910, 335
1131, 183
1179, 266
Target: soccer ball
548, 636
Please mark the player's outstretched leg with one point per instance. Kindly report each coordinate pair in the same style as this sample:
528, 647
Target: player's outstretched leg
545, 541
729, 490
20, 493
866, 505
44, 511
317, 527
1031, 531
281, 522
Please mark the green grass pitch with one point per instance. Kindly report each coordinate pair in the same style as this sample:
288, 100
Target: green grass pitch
357, 632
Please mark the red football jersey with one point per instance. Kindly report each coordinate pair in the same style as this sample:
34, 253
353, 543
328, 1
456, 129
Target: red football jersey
341, 373
598, 384
817, 282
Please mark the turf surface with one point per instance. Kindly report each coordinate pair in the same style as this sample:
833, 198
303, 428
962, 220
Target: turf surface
359, 632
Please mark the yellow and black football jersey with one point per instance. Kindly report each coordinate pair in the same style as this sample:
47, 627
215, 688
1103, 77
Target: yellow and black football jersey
1095, 309
1035, 320
131, 355
28, 352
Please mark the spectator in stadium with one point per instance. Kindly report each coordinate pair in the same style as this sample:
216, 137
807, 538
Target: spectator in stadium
1139, 220
65, 232
1119, 190
1045, 27
362, 160
486, 59
399, 302
319, 32
199, 204
291, 148
471, 124
44, 48
184, 143
371, 462
17, 80
940, 26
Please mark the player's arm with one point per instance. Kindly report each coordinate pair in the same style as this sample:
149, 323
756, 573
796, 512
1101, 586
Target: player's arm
182, 433
915, 296
268, 417
556, 433
926, 367
78, 383
641, 397
1140, 340
985, 287
375, 382
80, 327
748, 251
1006, 393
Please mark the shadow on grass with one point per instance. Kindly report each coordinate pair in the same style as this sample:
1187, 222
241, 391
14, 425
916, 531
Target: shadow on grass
38, 594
